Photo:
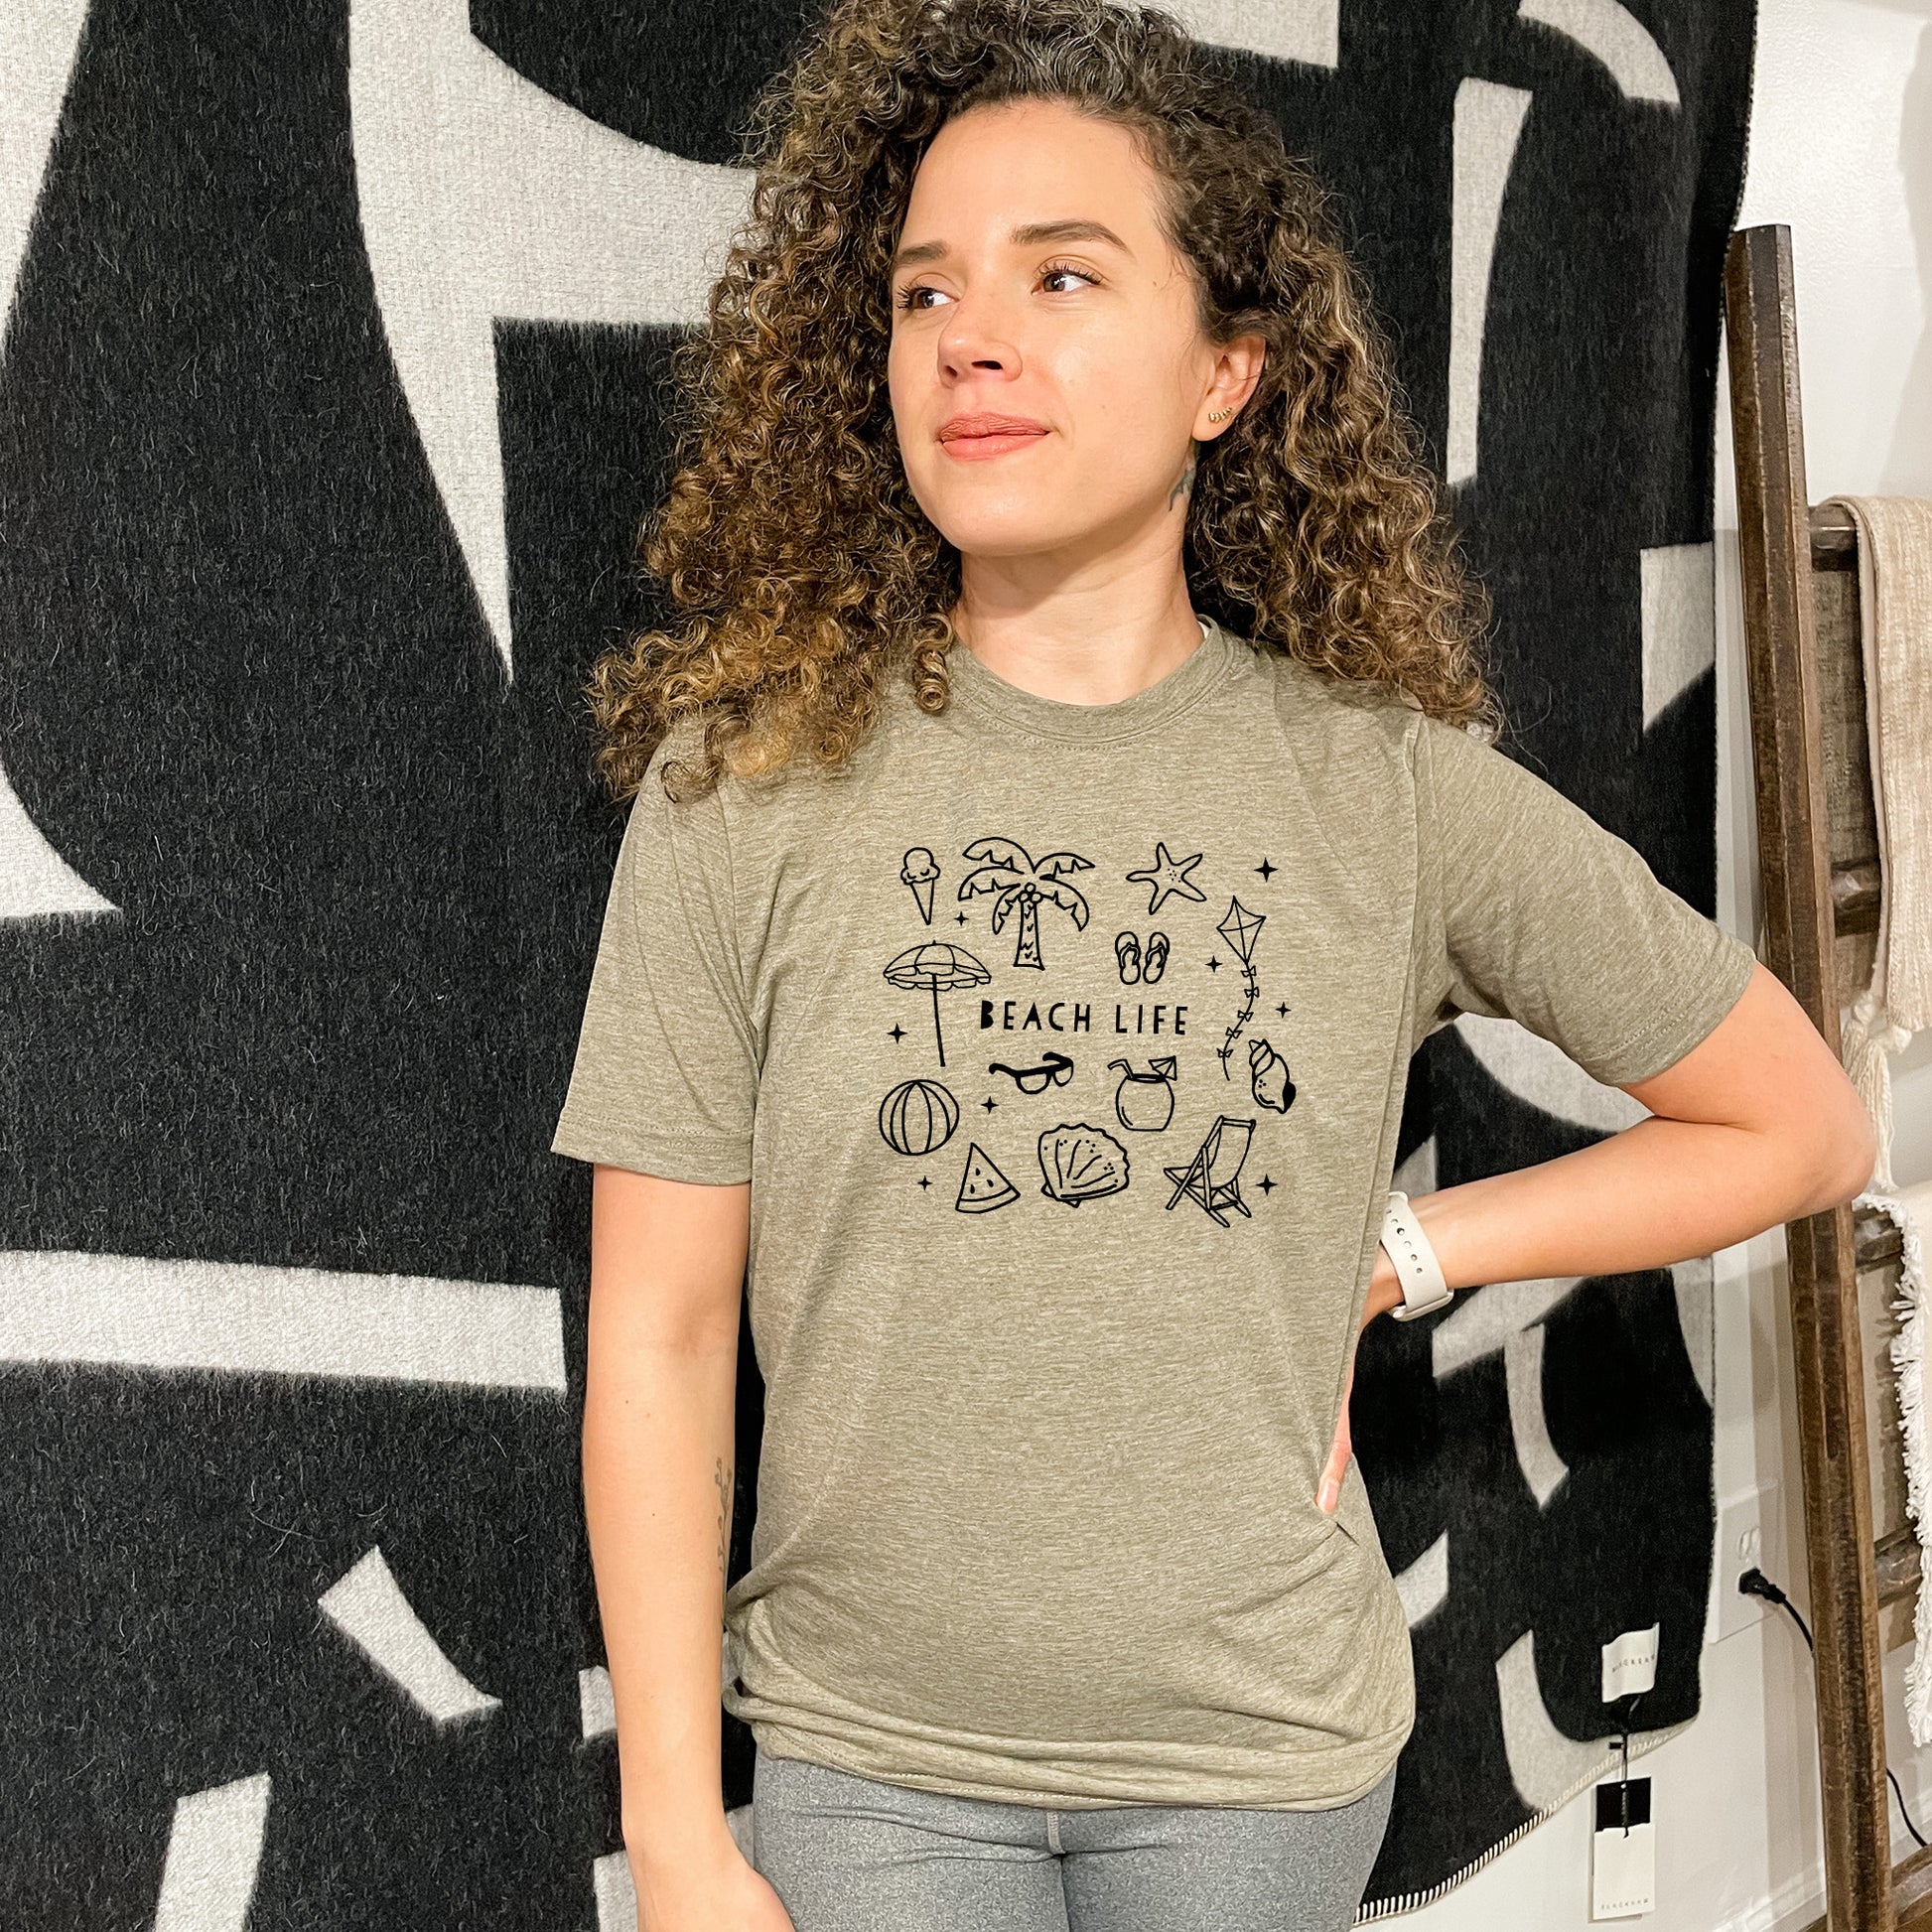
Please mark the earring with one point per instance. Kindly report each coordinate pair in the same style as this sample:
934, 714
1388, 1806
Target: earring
1216, 415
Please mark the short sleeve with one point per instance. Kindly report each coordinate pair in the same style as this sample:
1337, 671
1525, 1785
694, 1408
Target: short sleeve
1540, 914
665, 1076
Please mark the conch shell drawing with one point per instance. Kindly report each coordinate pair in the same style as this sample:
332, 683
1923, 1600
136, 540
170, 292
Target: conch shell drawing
1268, 1076
1145, 1101
1081, 1163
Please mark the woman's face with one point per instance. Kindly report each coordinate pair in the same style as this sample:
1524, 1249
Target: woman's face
1033, 290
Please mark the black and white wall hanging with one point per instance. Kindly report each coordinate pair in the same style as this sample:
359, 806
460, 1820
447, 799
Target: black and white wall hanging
331, 394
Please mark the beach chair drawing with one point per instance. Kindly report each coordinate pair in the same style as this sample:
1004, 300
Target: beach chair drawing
1213, 1176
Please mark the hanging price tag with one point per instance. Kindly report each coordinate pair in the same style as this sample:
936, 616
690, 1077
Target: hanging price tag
1622, 1852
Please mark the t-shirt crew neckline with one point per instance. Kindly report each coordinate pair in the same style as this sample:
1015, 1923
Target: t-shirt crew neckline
1040, 716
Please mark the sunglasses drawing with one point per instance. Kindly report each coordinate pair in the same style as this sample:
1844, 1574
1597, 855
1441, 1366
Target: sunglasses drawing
1055, 1070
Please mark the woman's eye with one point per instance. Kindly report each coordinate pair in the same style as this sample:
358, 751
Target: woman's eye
909, 297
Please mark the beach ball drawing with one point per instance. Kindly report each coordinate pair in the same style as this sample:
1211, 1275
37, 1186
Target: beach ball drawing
917, 1116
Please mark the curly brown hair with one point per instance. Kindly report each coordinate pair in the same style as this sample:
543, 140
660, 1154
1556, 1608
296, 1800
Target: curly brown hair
806, 571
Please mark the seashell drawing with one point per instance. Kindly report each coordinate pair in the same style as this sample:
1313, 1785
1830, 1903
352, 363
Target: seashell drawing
1081, 1163
1268, 1077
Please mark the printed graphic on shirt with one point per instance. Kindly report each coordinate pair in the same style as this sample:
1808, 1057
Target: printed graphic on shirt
1140, 963
1016, 880
1085, 1159
1082, 1163
1055, 1070
917, 1117
1268, 1077
1144, 1102
1239, 928
1212, 1178
982, 1187
936, 968
917, 871
1165, 876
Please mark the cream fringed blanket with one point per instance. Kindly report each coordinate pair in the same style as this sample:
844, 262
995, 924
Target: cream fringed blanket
1895, 628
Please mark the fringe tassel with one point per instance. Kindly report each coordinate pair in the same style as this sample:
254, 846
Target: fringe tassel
1908, 1350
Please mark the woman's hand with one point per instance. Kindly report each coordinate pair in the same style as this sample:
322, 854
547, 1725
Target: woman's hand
1384, 1293
716, 1889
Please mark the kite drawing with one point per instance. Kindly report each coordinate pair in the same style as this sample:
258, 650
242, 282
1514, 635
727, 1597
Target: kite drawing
1081, 1163
916, 872
938, 968
1006, 870
1134, 963
1268, 1077
982, 1187
1212, 1178
1165, 876
1238, 928
1144, 1102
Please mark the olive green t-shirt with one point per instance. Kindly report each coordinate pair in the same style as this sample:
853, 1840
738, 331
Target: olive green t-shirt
1063, 1047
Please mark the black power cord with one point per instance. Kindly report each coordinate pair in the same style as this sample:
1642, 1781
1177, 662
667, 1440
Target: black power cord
1754, 1582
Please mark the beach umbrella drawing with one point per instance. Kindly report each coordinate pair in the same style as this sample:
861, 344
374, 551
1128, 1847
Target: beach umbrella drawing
937, 968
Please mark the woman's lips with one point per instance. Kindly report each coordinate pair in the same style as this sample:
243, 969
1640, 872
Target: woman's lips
976, 448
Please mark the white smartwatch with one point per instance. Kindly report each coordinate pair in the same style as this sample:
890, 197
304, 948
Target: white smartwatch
1416, 1266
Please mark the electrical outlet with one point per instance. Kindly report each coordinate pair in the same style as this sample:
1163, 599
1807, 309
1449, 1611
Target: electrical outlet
1751, 1535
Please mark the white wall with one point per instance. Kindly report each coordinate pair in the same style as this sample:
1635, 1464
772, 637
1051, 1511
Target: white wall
1841, 151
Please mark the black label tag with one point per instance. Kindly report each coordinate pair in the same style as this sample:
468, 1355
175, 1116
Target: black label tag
1618, 1805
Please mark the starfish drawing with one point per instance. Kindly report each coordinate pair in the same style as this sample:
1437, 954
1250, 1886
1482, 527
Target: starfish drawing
1168, 875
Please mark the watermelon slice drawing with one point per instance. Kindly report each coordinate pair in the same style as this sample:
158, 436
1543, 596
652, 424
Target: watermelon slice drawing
982, 1187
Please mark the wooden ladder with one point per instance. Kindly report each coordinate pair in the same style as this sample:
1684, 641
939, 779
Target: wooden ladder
1818, 870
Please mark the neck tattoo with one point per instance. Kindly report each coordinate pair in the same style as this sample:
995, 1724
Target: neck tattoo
1186, 478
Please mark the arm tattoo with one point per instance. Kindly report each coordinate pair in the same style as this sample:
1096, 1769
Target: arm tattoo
723, 1477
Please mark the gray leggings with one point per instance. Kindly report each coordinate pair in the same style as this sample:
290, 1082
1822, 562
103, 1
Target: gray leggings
847, 1854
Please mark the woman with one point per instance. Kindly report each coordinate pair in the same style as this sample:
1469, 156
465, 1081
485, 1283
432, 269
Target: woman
1053, 830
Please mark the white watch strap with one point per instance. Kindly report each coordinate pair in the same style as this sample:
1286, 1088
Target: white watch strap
1416, 1266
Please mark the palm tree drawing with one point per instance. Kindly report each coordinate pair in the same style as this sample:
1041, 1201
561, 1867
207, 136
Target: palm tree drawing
1020, 881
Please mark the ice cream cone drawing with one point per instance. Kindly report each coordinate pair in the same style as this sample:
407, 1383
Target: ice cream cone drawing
917, 870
